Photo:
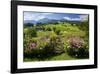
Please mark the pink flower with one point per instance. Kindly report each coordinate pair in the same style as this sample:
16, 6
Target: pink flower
32, 45
76, 42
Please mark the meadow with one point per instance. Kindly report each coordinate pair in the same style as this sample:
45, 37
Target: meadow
56, 41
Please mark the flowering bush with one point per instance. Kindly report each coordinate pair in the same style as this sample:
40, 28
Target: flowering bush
44, 47
77, 47
76, 42
35, 48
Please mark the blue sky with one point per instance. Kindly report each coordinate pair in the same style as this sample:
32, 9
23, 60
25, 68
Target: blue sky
36, 16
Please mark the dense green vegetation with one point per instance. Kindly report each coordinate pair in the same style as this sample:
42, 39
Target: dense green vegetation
57, 41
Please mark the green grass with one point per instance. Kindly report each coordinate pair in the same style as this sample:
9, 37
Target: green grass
63, 56
45, 33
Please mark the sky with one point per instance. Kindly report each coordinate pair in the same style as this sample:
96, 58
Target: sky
36, 16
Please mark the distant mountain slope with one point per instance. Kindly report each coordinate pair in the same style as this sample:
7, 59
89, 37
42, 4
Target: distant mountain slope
46, 20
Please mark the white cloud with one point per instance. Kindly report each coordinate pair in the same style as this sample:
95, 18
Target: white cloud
80, 18
84, 17
39, 18
29, 16
72, 19
35, 16
47, 13
67, 18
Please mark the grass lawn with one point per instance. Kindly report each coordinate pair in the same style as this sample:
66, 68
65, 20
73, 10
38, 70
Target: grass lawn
63, 56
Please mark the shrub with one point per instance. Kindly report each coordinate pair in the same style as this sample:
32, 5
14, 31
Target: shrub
30, 32
44, 46
55, 46
76, 42
57, 31
36, 47
49, 29
28, 46
77, 48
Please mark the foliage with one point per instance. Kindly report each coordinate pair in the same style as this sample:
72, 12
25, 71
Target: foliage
55, 46
39, 48
30, 32
77, 48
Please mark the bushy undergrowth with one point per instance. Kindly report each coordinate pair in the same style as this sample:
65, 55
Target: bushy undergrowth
48, 40
43, 47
